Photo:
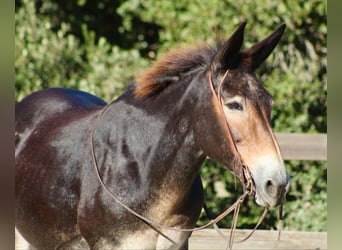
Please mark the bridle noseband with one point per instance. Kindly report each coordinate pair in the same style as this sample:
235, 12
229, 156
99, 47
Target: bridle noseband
248, 183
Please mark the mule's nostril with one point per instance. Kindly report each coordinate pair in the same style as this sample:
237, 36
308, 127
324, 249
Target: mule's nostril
271, 188
269, 184
275, 191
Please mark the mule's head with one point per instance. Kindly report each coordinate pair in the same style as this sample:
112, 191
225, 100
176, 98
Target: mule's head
247, 109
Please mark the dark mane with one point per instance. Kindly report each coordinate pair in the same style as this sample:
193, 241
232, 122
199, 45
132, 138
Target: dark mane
170, 67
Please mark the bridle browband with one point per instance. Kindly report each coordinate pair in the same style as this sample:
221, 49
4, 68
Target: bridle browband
248, 183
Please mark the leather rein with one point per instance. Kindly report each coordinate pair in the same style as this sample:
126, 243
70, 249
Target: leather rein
248, 184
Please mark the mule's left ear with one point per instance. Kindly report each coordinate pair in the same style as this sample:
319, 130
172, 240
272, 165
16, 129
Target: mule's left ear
253, 57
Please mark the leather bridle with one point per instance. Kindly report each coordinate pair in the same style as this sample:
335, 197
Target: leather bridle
247, 179
248, 183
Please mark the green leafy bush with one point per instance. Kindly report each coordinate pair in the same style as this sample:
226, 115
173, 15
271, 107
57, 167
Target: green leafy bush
100, 46
45, 58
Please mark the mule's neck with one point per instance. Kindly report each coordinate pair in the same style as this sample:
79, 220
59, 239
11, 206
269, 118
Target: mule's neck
175, 156
161, 141
188, 130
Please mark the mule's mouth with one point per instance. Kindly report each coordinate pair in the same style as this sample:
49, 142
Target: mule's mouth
265, 201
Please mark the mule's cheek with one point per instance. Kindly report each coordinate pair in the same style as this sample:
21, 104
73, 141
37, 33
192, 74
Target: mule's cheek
271, 181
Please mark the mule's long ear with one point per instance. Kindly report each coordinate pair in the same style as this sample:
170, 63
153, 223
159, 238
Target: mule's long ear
227, 56
256, 55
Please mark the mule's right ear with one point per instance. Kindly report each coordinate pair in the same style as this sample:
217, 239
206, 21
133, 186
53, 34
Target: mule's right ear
228, 54
253, 57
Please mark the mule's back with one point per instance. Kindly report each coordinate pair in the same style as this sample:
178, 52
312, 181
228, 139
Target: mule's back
46, 103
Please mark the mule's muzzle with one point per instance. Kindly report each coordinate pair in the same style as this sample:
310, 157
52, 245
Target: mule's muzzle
272, 192
277, 192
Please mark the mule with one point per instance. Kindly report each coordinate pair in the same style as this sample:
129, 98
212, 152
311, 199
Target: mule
148, 145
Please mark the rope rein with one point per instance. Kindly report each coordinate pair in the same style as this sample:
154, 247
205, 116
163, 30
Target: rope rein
249, 186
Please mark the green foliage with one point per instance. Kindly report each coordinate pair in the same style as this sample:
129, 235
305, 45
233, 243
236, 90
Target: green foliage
306, 208
100, 46
45, 58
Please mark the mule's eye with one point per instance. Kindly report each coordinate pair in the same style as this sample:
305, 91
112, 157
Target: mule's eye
235, 106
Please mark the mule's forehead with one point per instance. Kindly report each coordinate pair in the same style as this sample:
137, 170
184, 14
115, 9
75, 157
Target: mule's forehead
247, 85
